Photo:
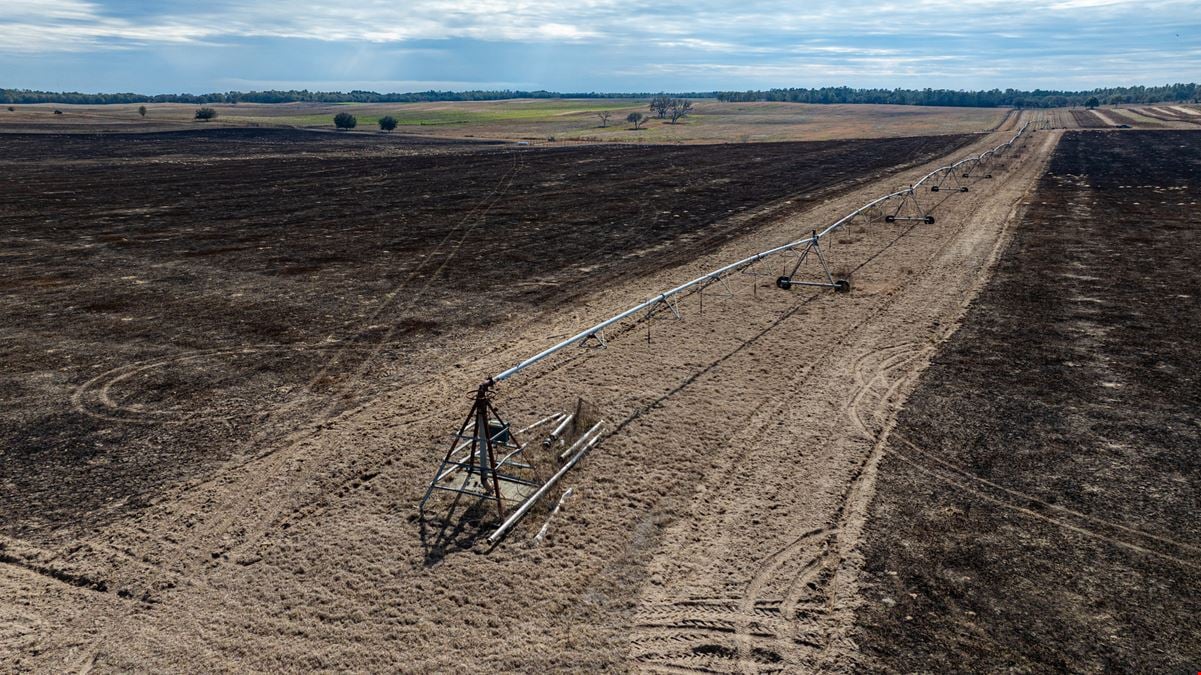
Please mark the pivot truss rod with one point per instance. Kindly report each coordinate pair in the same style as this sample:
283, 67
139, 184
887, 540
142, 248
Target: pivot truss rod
936, 180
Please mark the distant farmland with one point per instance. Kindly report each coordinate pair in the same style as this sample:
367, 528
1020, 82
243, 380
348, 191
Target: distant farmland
541, 120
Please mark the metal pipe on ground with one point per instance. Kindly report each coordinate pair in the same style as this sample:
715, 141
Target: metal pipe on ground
554, 435
529, 503
583, 437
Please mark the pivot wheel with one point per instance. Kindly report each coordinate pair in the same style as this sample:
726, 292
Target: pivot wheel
890, 219
784, 283
842, 286
929, 220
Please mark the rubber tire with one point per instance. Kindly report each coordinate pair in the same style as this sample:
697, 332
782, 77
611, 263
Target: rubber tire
934, 189
963, 189
842, 286
784, 283
929, 220
890, 219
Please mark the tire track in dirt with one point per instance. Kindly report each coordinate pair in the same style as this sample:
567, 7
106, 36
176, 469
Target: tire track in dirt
802, 566
231, 532
758, 631
1033, 507
96, 398
1009, 200
804, 580
806, 566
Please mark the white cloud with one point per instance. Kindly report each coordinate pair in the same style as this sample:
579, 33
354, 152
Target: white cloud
782, 40
45, 25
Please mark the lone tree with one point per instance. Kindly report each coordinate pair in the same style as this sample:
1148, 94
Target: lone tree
660, 105
604, 116
386, 123
679, 108
636, 119
206, 114
1092, 102
345, 121
142, 110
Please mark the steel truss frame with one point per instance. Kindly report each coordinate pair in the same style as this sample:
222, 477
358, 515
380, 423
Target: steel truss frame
473, 451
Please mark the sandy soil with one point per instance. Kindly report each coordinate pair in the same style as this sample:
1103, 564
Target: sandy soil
1146, 118
718, 527
1159, 118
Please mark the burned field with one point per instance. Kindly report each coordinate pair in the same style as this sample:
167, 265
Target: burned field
1037, 507
1087, 119
176, 301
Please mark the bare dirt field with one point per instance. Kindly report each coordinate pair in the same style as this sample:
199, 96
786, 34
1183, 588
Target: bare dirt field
1170, 114
231, 394
1142, 118
538, 121
188, 297
1036, 507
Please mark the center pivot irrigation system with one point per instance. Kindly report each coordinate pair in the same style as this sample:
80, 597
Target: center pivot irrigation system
485, 459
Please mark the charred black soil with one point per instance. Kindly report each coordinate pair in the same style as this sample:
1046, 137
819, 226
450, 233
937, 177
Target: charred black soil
172, 301
1037, 509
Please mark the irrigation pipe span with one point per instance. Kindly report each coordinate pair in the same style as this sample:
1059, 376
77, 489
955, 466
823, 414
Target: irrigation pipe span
662, 298
489, 434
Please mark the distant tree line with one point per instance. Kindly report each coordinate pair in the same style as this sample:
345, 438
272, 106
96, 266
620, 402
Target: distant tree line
28, 96
1038, 98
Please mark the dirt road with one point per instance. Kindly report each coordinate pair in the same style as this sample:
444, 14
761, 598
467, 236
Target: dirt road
718, 527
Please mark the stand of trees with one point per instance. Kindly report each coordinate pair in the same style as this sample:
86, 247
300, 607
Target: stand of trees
1038, 98
299, 96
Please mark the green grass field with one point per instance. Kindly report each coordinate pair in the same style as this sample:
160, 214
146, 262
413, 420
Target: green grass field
544, 119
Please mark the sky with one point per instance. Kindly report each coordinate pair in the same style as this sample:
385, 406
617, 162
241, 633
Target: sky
199, 46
